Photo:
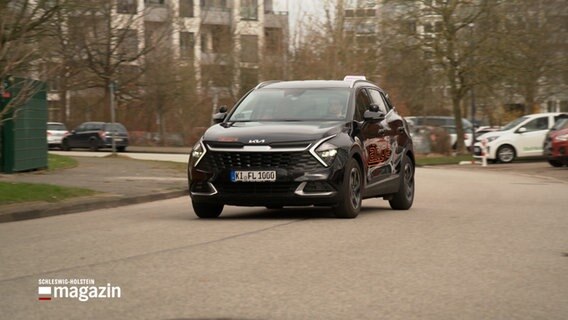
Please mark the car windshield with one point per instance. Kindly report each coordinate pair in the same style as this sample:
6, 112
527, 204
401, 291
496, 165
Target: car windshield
561, 124
293, 104
116, 127
56, 126
513, 123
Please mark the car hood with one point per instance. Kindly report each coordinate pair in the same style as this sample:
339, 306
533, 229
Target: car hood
490, 134
270, 132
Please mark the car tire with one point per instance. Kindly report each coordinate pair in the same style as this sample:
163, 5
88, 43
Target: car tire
65, 145
555, 163
93, 145
207, 210
403, 199
506, 154
350, 203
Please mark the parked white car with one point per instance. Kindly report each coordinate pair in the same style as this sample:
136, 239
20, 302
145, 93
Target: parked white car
522, 137
56, 131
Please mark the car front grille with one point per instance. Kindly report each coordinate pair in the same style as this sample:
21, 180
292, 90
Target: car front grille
216, 161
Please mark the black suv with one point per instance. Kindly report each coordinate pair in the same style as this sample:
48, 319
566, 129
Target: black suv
301, 143
96, 135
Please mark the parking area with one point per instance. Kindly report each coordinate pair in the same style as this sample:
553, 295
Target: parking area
531, 168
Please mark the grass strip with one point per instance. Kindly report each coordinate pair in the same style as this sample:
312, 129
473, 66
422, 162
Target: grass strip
15, 192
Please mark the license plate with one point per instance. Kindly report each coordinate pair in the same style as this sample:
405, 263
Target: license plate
117, 139
253, 176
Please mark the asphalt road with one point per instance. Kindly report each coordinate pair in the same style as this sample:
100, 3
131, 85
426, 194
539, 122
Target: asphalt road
476, 245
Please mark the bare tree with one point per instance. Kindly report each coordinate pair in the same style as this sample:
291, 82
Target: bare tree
101, 43
534, 49
447, 34
23, 23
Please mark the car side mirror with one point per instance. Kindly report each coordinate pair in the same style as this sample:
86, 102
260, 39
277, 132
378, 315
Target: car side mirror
522, 130
374, 107
373, 113
221, 115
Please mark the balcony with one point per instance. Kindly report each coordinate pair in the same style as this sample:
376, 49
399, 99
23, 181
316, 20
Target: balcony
156, 14
216, 15
276, 19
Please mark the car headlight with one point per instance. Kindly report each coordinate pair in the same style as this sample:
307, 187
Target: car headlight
197, 153
326, 153
562, 137
491, 139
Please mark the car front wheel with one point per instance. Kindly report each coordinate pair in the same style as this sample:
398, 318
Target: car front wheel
506, 154
93, 145
207, 210
350, 203
65, 145
555, 163
404, 198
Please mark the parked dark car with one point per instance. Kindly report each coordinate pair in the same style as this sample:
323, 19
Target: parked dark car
96, 135
289, 144
556, 143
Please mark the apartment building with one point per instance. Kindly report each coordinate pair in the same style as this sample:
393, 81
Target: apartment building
230, 45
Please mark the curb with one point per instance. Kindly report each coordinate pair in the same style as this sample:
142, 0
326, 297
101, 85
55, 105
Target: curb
55, 209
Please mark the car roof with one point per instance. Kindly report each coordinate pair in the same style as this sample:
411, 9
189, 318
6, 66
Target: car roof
534, 115
309, 84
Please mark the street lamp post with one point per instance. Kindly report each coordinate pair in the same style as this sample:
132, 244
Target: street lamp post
473, 106
112, 87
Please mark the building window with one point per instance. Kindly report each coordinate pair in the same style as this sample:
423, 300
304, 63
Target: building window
273, 40
204, 43
411, 27
221, 39
249, 9
186, 44
155, 2
128, 45
563, 106
126, 6
249, 79
214, 4
215, 75
249, 48
186, 8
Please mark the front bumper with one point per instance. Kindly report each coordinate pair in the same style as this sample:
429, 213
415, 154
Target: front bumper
556, 151
300, 180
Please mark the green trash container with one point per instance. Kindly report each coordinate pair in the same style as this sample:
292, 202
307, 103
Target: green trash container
23, 134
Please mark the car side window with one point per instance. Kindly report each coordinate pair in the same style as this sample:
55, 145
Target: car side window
362, 102
537, 124
379, 100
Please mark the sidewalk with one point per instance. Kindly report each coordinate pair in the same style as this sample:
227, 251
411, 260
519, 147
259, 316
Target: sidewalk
120, 181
